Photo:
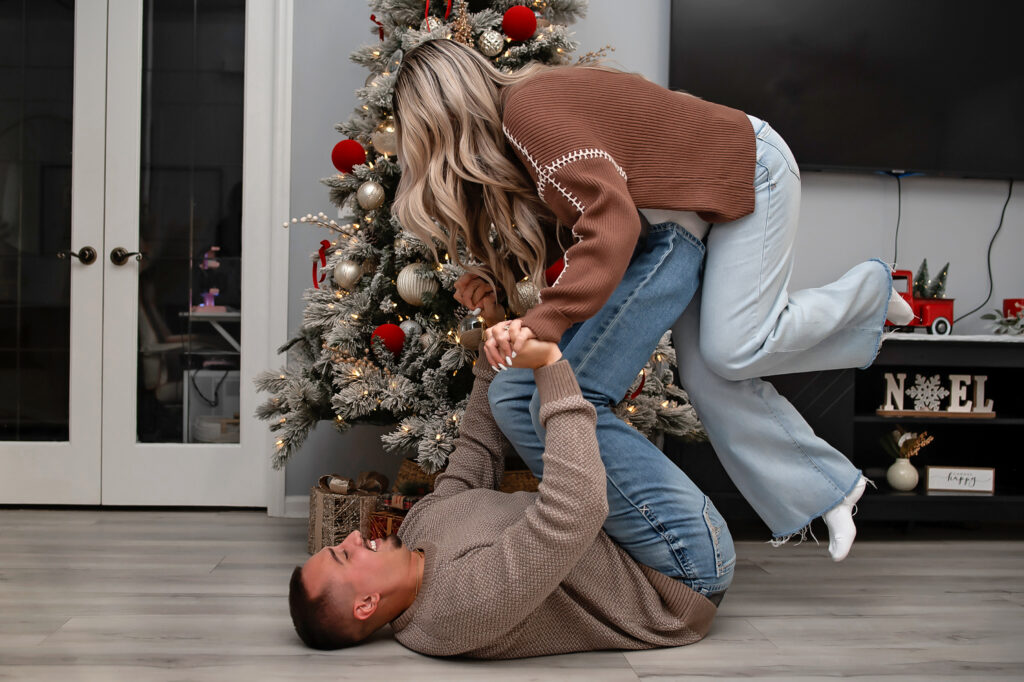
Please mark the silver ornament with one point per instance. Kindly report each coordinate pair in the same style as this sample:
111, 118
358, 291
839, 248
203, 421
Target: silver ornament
385, 137
491, 43
370, 195
430, 24
527, 295
347, 274
471, 331
411, 328
414, 282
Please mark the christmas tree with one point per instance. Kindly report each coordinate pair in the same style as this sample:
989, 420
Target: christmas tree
382, 340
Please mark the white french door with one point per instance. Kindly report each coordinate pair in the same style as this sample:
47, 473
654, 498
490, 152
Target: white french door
128, 362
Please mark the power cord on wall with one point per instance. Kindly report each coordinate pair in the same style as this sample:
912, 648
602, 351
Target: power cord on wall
988, 259
899, 175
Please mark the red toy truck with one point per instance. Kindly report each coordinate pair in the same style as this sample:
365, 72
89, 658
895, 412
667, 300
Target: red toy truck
934, 314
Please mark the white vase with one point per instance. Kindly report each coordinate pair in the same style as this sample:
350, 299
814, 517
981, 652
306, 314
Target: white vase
902, 475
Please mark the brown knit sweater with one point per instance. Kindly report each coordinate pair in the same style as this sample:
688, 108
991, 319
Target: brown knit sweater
531, 574
602, 144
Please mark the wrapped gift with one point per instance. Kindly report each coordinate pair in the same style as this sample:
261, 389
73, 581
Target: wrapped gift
339, 505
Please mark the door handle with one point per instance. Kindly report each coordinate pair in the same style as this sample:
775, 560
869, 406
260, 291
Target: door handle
120, 255
87, 255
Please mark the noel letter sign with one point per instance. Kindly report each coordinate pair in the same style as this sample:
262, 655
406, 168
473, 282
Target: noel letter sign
965, 393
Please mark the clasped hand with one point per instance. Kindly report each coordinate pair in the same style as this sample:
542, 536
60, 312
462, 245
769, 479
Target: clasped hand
509, 343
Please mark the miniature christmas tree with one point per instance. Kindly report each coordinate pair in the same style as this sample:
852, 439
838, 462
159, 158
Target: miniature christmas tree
925, 286
382, 339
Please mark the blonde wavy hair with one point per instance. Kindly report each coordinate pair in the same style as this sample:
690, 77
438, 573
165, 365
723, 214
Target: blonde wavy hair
459, 182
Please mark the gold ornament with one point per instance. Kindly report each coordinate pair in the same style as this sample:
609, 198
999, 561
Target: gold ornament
463, 32
527, 295
347, 274
471, 330
426, 340
370, 195
491, 43
385, 137
414, 282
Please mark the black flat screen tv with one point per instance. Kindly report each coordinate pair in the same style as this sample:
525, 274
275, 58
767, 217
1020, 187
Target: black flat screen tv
916, 86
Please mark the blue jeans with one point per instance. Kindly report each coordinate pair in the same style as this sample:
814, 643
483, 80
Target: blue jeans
656, 513
751, 325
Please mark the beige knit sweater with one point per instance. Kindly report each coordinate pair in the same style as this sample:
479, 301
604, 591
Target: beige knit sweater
600, 145
530, 574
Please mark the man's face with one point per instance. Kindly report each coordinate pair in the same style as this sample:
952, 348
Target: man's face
364, 565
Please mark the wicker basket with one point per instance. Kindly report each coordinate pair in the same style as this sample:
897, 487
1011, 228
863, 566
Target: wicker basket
333, 516
412, 480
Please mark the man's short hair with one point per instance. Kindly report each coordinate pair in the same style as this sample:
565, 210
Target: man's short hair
317, 621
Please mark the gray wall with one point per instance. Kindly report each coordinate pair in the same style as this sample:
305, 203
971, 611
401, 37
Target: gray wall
845, 218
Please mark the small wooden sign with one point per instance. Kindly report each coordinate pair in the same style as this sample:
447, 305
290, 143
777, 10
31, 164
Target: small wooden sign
961, 480
928, 394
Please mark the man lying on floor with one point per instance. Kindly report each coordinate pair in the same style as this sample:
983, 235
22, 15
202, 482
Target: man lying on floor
484, 574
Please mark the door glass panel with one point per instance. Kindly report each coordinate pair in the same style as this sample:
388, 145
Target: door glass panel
190, 221
36, 85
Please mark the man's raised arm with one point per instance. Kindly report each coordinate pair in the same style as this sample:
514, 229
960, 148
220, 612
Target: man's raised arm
480, 451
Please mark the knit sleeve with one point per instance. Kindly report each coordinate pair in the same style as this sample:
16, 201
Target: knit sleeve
588, 193
478, 460
528, 561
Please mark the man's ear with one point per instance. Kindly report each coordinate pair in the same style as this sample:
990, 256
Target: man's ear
366, 606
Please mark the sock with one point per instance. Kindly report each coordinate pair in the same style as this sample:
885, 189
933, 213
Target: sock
899, 312
839, 519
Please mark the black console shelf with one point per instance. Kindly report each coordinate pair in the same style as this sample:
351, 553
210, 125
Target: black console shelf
840, 405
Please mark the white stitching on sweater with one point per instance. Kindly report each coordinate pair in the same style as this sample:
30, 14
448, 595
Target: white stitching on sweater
546, 174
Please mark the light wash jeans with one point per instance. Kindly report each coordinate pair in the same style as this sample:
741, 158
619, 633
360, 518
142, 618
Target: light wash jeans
745, 324
750, 325
656, 513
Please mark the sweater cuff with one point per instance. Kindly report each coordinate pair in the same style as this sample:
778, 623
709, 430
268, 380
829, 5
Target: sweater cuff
555, 381
546, 322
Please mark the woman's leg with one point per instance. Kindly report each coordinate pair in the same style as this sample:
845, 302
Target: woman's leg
787, 473
656, 513
751, 325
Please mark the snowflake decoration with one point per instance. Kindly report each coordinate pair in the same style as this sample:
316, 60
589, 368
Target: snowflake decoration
926, 393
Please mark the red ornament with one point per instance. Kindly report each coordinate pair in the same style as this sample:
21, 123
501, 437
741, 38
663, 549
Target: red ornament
643, 380
346, 154
392, 336
324, 245
552, 273
519, 23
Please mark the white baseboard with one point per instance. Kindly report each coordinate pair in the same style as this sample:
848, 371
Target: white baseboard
296, 506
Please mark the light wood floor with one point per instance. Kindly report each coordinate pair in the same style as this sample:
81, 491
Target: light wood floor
125, 595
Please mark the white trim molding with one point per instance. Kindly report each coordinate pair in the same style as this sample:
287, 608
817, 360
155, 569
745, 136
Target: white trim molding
265, 205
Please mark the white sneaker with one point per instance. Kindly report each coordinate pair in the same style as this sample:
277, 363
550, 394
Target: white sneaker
839, 519
899, 312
